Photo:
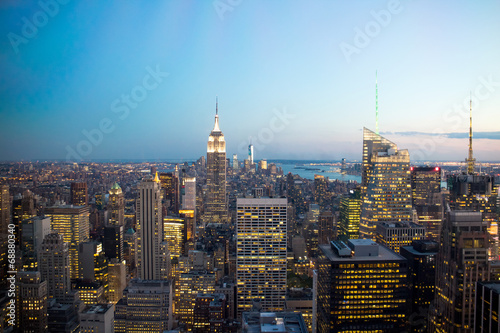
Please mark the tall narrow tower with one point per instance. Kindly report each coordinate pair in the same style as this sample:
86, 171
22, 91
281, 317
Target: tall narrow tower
470, 160
216, 205
376, 104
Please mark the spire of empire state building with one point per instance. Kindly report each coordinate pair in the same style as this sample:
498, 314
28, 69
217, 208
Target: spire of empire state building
470, 160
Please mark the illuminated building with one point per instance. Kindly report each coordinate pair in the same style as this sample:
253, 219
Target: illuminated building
79, 195
210, 313
421, 256
113, 242
34, 231
117, 280
5, 219
91, 293
31, 303
261, 252
361, 287
321, 195
427, 199
262, 166
149, 229
462, 260
116, 206
350, 215
229, 290
189, 219
386, 184
235, 162
301, 300
187, 288
396, 235
487, 307
216, 204
174, 235
170, 185
189, 193
98, 318
94, 266
73, 223
278, 322
327, 230
54, 265
130, 251
146, 306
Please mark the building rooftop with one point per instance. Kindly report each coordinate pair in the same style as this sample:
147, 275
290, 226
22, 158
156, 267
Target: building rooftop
98, 308
383, 252
278, 322
493, 285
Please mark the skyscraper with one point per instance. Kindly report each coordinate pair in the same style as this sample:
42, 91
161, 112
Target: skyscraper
189, 193
250, 154
321, 191
149, 228
55, 266
327, 230
72, 222
361, 287
216, 204
261, 253
235, 162
31, 303
34, 231
116, 205
386, 184
170, 185
462, 261
79, 195
350, 215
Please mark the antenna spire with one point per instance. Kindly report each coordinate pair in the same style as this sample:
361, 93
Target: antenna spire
376, 103
216, 105
470, 160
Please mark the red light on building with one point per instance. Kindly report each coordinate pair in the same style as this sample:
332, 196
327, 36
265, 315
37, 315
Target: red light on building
436, 168
411, 168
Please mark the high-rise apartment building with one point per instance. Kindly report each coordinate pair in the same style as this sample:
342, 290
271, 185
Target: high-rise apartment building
54, 265
78, 194
462, 261
361, 287
216, 204
261, 249
386, 184
72, 222
149, 229
116, 205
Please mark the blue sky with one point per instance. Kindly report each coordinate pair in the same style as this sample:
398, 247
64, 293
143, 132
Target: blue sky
297, 78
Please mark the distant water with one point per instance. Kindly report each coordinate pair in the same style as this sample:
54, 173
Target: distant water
308, 171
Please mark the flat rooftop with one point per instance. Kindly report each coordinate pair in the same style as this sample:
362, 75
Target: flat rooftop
383, 253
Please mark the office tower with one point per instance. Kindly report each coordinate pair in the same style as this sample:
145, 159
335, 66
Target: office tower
146, 306
5, 220
321, 196
210, 313
262, 166
54, 265
229, 290
34, 231
327, 230
170, 185
113, 242
250, 154
90, 293
386, 184
235, 162
117, 280
257, 322
261, 253
427, 199
62, 318
462, 260
216, 205
187, 288
421, 256
361, 287
190, 226
174, 234
487, 307
31, 303
149, 228
116, 206
130, 251
189, 193
94, 264
72, 222
98, 318
350, 215
396, 235
79, 195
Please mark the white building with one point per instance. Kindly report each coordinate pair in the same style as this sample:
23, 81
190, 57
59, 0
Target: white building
99, 318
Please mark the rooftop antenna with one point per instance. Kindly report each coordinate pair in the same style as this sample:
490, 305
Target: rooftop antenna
216, 105
376, 103
470, 160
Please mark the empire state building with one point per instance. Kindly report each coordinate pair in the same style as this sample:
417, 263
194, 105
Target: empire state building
216, 204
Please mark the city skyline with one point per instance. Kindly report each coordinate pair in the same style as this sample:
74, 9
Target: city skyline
296, 80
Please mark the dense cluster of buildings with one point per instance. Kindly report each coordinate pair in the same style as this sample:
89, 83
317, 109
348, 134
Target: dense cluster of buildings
222, 245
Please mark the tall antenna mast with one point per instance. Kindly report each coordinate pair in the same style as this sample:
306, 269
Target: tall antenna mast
376, 103
216, 105
470, 160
